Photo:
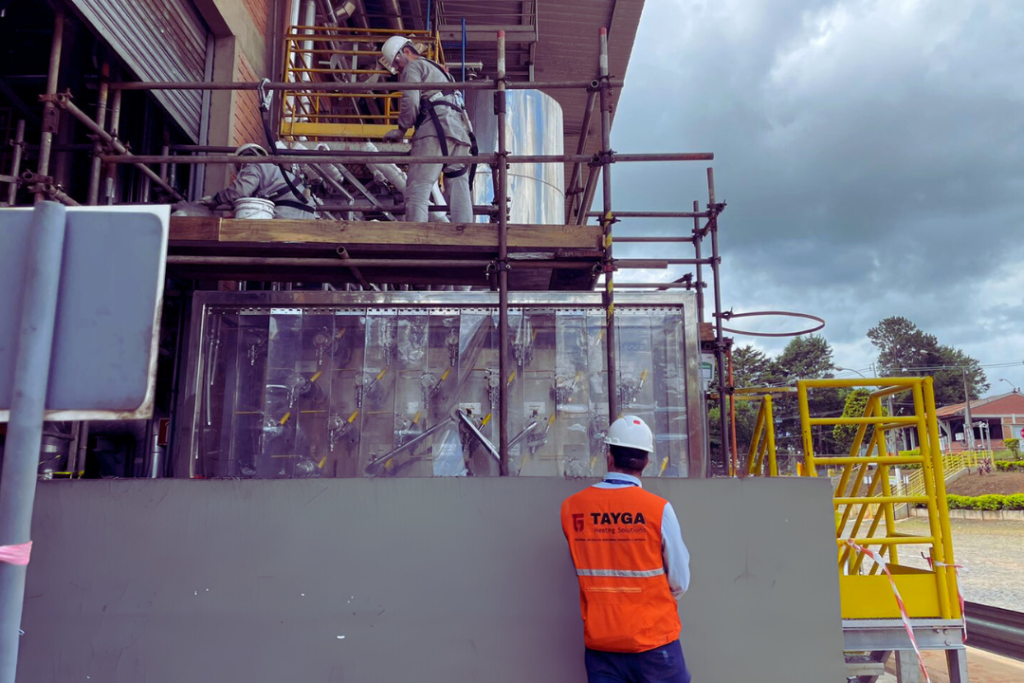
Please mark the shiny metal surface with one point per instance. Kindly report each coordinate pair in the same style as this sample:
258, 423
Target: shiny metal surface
533, 125
413, 360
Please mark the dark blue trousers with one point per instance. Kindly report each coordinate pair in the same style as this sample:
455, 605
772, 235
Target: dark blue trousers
664, 664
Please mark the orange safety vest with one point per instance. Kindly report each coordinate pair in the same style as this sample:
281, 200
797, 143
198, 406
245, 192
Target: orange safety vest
615, 539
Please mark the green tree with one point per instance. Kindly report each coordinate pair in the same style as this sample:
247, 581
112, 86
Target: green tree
904, 349
805, 357
856, 402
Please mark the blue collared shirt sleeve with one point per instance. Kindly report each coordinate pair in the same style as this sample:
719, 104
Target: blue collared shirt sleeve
674, 553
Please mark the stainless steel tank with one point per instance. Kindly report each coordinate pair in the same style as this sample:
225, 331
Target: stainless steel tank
533, 126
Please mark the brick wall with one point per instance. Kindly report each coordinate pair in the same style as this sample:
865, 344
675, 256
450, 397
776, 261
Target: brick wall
259, 10
248, 126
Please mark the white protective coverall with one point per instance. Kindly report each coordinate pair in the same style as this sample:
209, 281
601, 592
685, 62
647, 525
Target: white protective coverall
266, 182
426, 142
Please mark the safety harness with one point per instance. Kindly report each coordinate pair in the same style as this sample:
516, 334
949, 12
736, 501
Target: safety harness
265, 97
428, 109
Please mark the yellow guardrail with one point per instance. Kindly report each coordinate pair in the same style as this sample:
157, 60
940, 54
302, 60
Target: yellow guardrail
865, 592
342, 54
762, 443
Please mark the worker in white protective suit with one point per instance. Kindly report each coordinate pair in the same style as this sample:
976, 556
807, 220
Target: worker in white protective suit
265, 181
442, 130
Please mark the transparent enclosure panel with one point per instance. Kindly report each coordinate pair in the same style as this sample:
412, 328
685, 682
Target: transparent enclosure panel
375, 389
296, 392
344, 419
247, 391
533, 348
571, 390
636, 365
670, 426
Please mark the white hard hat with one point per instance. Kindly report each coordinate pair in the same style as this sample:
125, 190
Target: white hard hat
251, 149
391, 49
631, 432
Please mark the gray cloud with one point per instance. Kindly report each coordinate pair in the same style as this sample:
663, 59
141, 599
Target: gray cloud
872, 154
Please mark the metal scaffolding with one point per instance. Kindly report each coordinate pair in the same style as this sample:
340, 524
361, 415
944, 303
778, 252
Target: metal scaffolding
109, 151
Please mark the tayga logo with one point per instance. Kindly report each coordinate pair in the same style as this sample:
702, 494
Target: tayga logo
577, 521
603, 518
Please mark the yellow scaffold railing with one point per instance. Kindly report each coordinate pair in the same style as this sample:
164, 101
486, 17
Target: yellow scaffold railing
314, 54
762, 442
865, 592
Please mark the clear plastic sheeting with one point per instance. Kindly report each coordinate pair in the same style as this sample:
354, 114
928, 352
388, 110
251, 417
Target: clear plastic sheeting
305, 391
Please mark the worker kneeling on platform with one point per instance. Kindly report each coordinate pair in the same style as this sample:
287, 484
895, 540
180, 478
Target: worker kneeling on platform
442, 130
632, 565
265, 181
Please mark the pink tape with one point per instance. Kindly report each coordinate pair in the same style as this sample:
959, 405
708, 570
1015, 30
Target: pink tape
880, 561
16, 554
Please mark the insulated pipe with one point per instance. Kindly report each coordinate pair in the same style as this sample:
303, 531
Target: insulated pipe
719, 337
485, 84
96, 165
581, 146
394, 15
385, 158
50, 116
502, 265
28, 407
66, 104
19, 144
607, 264
115, 129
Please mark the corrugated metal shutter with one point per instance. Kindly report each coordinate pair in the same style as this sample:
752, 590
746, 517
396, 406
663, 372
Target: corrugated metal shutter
160, 40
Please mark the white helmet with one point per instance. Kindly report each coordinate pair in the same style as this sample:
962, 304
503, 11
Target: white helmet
391, 49
631, 432
250, 149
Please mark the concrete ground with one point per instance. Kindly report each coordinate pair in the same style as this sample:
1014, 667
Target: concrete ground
982, 667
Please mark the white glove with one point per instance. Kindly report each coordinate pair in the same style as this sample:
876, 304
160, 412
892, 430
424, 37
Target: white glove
209, 201
396, 135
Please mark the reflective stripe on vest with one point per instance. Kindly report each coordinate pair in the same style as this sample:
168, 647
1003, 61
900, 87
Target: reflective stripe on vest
621, 573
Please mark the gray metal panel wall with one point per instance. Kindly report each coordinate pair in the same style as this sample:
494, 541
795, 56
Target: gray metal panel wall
160, 40
427, 580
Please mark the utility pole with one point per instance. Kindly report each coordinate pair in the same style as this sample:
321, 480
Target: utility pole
968, 424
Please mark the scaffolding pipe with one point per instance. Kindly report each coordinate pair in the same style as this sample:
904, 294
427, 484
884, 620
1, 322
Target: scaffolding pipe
96, 164
486, 84
67, 105
502, 265
50, 115
577, 167
719, 336
385, 158
607, 262
588, 195
19, 145
478, 209
115, 130
56, 194
696, 252
652, 214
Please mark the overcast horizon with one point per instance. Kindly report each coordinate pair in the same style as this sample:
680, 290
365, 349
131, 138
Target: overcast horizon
871, 154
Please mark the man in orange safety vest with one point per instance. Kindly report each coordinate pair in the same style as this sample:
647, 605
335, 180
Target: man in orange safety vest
632, 566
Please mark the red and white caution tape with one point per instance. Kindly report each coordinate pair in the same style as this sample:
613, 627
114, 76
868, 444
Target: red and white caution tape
899, 602
959, 593
16, 554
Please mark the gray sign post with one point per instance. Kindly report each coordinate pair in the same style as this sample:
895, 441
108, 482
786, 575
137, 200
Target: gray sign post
79, 313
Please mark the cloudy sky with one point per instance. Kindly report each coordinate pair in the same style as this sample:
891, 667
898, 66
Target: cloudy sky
871, 154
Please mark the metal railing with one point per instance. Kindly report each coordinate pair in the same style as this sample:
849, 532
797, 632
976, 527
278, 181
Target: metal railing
865, 592
762, 442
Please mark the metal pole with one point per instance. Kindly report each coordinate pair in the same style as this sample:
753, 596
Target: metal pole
19, 144
67, 105
50, 114
96, 167
588, 113
115, 130
719, 337
483, 84
502, 265
969, 425
28, 405
652, 214
607, 265
697, 239
385, 158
